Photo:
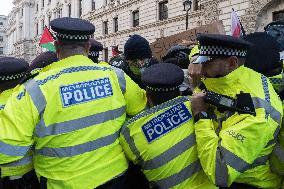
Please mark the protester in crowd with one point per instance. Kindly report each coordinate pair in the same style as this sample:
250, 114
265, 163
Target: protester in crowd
95, 49
137, 56
71, 115
264, 57
161, 139
18, 174
41, 61
234, 146
178, 55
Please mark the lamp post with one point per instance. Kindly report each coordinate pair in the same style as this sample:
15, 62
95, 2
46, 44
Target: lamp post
186, 7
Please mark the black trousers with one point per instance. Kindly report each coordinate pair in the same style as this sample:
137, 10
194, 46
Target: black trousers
28, 181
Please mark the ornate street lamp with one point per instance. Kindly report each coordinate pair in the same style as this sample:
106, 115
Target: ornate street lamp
187, 7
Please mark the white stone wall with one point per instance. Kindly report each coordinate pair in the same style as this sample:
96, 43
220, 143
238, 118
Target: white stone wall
3, 20
22, 40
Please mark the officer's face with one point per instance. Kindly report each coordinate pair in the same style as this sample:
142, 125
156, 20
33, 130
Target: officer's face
216, 67
137, 66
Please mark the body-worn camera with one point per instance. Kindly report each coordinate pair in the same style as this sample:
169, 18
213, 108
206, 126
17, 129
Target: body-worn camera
243, 104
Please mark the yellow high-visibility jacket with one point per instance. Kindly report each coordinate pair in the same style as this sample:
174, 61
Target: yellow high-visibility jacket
21, 166
161, 141
72, 113
236, 147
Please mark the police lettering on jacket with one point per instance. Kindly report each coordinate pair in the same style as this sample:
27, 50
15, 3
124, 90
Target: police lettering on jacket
87, 91
237, 136
165, 122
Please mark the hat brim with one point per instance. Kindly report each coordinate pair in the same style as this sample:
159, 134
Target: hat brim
201, 59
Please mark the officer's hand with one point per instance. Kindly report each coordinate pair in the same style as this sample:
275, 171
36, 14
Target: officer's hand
195, 74
197, 103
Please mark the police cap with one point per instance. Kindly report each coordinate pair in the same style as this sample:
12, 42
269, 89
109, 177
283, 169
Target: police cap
137, 47
163, 77
43, 60
95, 48
279, 23
72, 29
12, 69
217, 45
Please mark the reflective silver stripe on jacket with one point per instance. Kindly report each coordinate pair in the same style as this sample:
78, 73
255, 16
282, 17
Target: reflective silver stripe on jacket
170, 154
181, 176
269, 109
121, 79
24, 161
73, 125
275, 135
279, 152
71, 151
225, 157
11, 150
37, 96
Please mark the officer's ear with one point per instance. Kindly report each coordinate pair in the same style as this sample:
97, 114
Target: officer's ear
57, 48
233, 63
87, 46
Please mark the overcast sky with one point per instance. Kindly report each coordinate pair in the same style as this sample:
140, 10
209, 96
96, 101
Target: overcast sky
6, 7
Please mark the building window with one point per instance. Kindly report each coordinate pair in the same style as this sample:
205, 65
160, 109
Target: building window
93, 5
106, 54
1, 23
69, 10
42, 3
22, 12
105, 2
49, 1
37, 29
36, 7
42, 24
196, 5
49, 19
135, 15
278, 15
115, 24
80, 8
1, 50
163, 10
1, 38
105, 27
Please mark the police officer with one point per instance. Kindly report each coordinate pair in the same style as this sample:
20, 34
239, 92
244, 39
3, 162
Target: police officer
94, 52
41, 61
18, 174
234, 148
72, 113
264, 57
137, 56
276, 30
161, 139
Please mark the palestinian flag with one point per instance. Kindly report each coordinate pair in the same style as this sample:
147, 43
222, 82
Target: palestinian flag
47, 40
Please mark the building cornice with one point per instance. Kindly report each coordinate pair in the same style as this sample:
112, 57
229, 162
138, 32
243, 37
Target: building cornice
150, 25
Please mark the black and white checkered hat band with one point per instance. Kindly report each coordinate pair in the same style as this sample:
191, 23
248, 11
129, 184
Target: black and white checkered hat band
94, 53
72, 37
278, 25
218, 50
169, 89
12, 77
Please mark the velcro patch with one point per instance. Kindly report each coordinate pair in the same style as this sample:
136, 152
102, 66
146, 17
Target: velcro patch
166, 122
84, 92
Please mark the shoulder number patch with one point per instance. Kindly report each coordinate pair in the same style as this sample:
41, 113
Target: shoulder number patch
84, 92
166, 122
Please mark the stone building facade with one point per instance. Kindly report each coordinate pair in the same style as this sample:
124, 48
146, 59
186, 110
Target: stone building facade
115, 20
3, 20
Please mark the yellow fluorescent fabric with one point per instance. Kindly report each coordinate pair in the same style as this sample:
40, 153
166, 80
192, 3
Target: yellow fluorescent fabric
239, 152
72, 112
161, 140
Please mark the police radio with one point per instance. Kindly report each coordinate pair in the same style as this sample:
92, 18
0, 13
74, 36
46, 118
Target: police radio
243, 104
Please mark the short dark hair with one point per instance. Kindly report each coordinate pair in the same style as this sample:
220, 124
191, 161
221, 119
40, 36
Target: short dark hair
161, 97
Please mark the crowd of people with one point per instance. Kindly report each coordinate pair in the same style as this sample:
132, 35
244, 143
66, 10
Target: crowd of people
208, 115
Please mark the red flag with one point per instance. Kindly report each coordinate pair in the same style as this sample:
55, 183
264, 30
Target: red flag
236, 25
115, 51
47, 40
46, 37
